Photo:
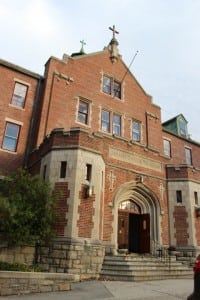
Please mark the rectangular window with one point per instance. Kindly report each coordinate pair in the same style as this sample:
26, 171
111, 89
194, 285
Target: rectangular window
63, 169
88, 187
183, 131
167, 148
107, 85
83, 112
88, 172
196, 200
117, 124
179, 196
105, 120
136, 132
111, 87
19, 95
116, 89
11, 137
188, 156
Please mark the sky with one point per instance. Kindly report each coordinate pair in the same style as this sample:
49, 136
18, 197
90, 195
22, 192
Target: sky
166, 34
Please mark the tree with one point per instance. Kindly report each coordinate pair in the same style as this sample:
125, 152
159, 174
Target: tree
26, 209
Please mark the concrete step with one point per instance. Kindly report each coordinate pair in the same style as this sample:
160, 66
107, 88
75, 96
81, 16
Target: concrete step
137, 268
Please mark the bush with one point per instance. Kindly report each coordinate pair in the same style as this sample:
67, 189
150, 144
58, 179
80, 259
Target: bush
26, 209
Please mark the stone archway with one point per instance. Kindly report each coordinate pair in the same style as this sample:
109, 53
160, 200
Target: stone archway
149, 206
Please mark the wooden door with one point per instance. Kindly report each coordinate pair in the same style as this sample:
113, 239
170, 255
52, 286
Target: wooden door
123, 223
139, 233
144, 232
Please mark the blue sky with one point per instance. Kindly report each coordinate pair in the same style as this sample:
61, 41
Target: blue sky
166, 34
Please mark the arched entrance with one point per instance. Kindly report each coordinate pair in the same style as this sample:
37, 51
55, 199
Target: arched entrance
136, 218
133, 228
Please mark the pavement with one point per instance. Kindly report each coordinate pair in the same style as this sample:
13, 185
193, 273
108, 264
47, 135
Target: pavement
172, 289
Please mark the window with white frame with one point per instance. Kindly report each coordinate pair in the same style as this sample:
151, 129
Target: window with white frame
111, 122
19, 94
105, 120
188, 156
136, 131
111, 86
167, 147
83, 112
117, 124
11, 137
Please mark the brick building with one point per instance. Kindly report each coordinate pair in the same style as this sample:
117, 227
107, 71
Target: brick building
124, 179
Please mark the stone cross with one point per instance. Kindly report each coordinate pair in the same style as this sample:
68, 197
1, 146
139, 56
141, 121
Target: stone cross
114, 31
111, 178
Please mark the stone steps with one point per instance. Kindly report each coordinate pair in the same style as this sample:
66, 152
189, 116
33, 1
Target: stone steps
139, 268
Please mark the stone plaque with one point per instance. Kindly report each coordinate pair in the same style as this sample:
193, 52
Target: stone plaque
135, 159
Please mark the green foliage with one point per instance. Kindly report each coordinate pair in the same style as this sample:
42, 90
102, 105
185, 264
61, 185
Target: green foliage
26, 209
18, 267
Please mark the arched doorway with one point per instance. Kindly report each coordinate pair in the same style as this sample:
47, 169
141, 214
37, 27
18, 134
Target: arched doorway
136, 218
133, 228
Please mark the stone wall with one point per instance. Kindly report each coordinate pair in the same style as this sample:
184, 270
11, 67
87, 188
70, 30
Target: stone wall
75, 258
15, 283
20, 255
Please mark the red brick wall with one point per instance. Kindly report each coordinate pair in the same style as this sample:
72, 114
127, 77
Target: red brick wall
60, 104
62, 194
178, 150
10, 161
181, 226
86, 211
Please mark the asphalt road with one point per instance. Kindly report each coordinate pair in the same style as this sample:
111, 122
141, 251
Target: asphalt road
175, 289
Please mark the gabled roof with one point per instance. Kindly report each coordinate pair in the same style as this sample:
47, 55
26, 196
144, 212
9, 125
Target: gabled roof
174, 119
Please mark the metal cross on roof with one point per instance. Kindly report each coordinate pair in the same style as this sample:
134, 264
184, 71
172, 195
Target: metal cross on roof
114, 31
82, 43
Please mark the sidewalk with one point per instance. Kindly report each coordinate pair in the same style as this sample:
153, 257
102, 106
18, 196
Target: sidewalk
175, 289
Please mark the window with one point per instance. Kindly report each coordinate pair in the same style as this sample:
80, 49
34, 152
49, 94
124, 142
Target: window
19, 95
183, 128
83, 112
188, 156
88, 172
111, 122
105, 120
11, 137
136, 135
88, 187
107, 85
111, 87
179, 196
117, 124
196, 200
63, 169
167, 148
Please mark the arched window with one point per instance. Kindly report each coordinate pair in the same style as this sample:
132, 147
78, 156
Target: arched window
130, 205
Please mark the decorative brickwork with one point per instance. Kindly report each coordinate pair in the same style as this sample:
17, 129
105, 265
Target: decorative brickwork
86, 213
62, 193
181, 226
